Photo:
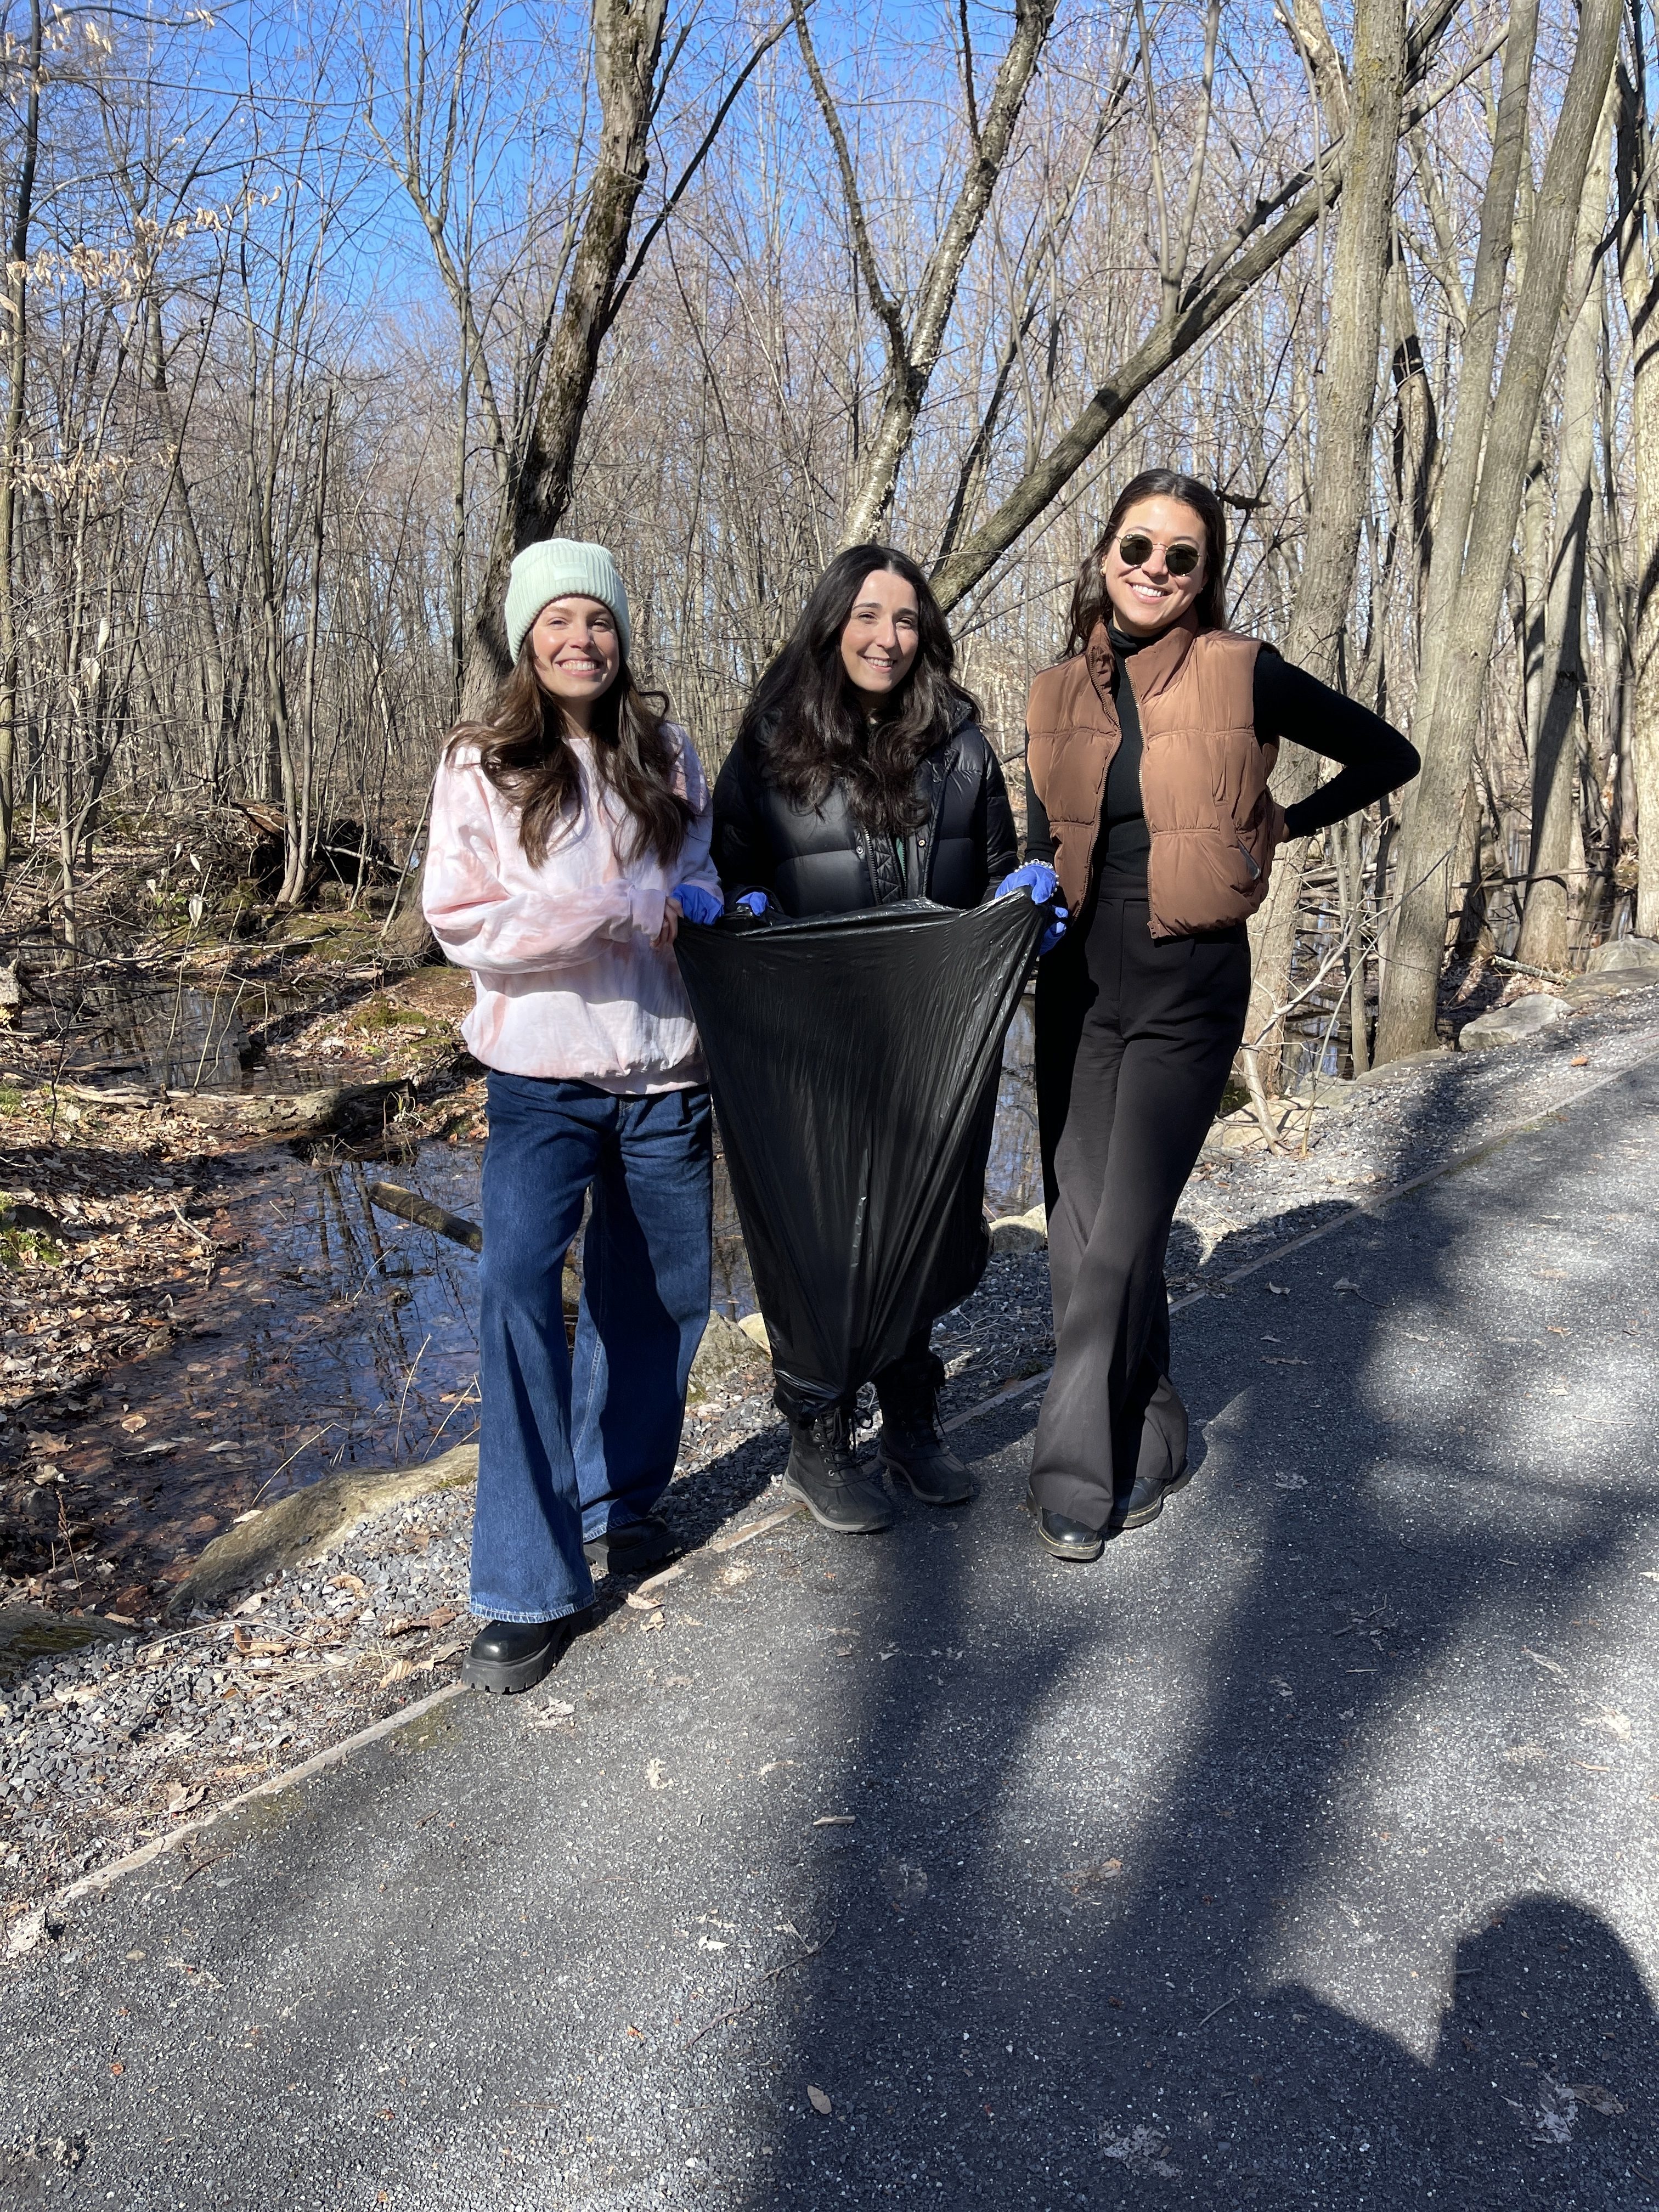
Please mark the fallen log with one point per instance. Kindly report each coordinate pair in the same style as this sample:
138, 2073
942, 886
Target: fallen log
410, 1206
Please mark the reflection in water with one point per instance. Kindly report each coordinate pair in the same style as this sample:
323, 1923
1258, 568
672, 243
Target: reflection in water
177, 1037
1013, 1180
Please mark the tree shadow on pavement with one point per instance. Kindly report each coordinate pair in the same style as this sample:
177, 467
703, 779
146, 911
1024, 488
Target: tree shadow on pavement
1283, 1858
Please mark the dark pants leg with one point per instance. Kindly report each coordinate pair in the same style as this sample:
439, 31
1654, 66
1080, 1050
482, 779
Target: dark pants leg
917, 1368
917, 1372
1161, 1022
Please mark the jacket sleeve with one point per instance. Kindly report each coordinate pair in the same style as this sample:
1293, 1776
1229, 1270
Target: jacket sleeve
1001, 839
695, 863
742, 855
1039, 837
1374, 756
481, 923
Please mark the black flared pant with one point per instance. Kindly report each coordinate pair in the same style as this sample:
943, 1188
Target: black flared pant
1134, 1040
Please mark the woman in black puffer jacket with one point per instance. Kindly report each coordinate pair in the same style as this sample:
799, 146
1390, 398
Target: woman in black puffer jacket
860, 778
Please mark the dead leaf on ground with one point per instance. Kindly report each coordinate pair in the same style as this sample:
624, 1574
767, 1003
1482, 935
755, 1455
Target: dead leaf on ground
398, 1671
181, 1800
354, 1584
1616, 1724
818, 2101
250, 1604
1598, 2098
1081, 1880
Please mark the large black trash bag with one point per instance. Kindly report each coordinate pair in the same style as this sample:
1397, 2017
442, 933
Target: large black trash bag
854, 1061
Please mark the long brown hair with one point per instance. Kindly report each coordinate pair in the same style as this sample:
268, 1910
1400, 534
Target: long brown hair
804, 728
523, 751
1090, 605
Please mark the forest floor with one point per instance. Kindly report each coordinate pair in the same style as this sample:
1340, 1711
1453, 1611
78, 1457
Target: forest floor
1300, 1854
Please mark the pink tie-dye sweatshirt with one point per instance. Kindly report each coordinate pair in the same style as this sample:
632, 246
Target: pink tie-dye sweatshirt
568, 981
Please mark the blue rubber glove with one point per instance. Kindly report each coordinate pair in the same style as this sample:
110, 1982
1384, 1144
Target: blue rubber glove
755, 904
1037, 877
698, 905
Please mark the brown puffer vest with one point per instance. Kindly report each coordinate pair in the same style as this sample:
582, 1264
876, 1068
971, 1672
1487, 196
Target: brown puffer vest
1213, 823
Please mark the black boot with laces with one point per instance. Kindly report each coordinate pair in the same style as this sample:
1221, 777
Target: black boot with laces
823, 1474
913, 1447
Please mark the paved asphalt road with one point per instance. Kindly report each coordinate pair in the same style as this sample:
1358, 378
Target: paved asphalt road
1302, 1853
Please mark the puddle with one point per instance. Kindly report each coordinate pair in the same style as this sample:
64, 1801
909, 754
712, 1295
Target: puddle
1013, 1175
332, 1335
172, 1036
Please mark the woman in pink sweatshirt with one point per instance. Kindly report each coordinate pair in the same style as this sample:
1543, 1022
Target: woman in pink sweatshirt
570, 831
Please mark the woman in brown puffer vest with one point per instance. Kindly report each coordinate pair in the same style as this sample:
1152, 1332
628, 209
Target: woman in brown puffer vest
1147, 759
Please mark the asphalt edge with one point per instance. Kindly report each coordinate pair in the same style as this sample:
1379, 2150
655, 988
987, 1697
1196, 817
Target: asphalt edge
32, 1925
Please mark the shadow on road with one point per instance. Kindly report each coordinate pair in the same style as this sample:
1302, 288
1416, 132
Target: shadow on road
1281, 1859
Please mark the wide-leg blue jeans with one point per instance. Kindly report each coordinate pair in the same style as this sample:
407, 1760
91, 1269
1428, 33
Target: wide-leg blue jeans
568, 1449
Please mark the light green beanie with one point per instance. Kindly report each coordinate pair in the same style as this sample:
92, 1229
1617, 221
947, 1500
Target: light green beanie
556, 568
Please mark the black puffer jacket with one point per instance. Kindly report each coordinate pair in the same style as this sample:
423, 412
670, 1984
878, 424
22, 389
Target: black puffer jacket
822, 860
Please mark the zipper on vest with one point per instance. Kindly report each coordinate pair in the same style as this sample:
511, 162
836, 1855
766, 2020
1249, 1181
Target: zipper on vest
1255, 865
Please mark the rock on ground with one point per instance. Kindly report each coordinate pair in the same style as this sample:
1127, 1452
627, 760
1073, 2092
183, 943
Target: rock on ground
1620, 952
1518, 1023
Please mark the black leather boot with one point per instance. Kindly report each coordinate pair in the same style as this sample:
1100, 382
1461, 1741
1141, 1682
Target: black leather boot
633, 1549
510, 1655
1144, 1502
1073, 1541
823, 1474
911, 1446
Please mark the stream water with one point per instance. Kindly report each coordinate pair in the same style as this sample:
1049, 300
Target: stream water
168, 1036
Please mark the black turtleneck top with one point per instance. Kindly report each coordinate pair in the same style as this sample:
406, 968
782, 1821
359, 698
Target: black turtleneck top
1289, 706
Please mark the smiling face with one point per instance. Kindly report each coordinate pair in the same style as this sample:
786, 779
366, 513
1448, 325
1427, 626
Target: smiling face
575, 651
880, 638
1146, 596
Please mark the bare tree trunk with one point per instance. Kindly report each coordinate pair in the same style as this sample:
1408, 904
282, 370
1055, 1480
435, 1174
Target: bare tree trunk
1341, 483
1479, 354
627, 50
1407, 1019
1416, 434
17, 354
1532, 613
299, 826
913, 346
1545, 921
1638, 276
1255, 248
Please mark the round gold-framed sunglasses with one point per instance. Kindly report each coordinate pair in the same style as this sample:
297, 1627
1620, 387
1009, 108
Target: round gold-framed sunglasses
1181, 558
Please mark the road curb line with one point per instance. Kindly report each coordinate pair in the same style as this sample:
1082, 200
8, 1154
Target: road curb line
103, 1878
